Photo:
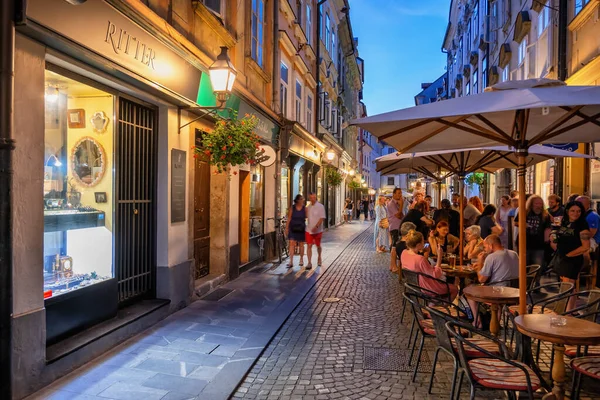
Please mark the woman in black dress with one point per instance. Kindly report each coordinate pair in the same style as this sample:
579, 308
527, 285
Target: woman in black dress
570, 242
296, 227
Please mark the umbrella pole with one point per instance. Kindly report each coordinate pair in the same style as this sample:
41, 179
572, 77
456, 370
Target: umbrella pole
461, 185
439, 192
522, 236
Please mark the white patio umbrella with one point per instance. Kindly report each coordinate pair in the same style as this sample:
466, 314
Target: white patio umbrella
465, 161
514, 113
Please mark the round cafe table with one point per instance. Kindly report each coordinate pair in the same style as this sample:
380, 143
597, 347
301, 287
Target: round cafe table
575, 332
495, 296
461, 273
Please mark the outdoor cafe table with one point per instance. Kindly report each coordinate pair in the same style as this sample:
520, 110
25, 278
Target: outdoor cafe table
494, 295
461, 273
577, 332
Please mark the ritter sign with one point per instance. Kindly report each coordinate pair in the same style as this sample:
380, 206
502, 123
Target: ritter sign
100, 28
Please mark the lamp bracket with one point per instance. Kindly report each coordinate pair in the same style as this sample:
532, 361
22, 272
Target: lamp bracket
206, 111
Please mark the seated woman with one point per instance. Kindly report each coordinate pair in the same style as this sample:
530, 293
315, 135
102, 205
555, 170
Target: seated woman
412, 260
441, 237
474, 244
397, 251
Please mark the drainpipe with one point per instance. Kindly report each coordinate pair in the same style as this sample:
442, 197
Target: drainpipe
282, 136
7, 49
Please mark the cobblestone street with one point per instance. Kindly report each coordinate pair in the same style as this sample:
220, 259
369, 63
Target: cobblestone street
320, 351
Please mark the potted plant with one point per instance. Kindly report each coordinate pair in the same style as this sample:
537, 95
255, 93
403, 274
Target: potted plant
233, 142
354, 185
333, 176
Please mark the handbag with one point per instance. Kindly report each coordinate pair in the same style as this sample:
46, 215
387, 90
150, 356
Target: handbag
298, 228
384, 223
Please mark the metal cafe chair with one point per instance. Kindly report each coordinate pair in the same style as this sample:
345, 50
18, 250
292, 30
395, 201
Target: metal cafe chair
494, 371
588, 366
448, 345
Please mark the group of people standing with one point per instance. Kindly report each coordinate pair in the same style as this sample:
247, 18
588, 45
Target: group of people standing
364, 208
561, 238
305, 225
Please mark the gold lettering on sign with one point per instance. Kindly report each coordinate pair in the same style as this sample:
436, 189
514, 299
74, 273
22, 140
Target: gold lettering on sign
122, 42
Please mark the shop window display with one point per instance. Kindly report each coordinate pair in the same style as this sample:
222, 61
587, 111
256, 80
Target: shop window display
78, 185
256, 202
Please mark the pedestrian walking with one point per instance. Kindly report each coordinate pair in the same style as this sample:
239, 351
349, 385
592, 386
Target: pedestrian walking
296, 228
395, 214
502, 219
348, 210
371, 210
365, 204
315, 214
382, 225
570, 242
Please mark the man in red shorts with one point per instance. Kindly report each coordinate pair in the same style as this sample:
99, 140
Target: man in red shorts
315, 214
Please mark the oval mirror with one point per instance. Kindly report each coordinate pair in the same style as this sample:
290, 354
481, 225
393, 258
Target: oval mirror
88, 161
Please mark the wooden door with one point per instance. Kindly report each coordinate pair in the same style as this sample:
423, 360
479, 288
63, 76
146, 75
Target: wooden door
201, 215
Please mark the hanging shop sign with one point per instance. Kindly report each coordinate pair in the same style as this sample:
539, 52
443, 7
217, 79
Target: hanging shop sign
268, 155
564, 146
102, 29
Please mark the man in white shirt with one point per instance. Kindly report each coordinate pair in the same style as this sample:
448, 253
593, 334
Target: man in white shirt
315, 214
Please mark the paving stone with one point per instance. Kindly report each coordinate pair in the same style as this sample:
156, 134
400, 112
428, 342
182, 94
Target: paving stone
177, 368
176, 384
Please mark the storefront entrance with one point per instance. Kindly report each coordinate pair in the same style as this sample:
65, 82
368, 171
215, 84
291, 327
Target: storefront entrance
201, 215
135, 168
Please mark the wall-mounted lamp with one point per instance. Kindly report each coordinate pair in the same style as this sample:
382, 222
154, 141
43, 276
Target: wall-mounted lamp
330, 155
352, 172
51, 94
364, 184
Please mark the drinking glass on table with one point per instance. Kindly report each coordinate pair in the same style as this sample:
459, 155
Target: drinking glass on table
452, 260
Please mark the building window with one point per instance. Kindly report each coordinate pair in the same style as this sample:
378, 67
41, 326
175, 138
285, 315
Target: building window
308, 25
299, 7
298, 101
468, 48
327, 32
216, 6
258, 24
283, 88
522, 51
309, 112
78, 174
543, 20
505, 72
391, 181
579, 5
333, 46
476, 21
468, 89
484, 72
475, 84
391, 150
460, 50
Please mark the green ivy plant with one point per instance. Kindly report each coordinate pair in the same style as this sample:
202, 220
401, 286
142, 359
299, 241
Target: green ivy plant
233, 142
333, 177
354, 185
475, 178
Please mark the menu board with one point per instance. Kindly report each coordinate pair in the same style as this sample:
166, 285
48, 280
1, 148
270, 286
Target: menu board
178, 168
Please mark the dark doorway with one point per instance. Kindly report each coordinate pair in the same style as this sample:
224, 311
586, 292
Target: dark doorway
201, 214
135, 189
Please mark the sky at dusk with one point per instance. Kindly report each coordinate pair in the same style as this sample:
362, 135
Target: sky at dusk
400, 41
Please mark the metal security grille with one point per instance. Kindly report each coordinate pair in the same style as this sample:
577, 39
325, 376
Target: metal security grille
135, 225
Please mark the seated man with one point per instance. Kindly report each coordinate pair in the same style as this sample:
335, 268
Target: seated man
499, 266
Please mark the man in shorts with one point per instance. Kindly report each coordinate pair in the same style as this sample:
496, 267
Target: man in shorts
315, 214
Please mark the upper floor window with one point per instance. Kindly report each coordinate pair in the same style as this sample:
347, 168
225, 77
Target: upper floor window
460, 50
333, 47
391, 181
484, 72
327, 32
475, 83
299, 7
468, 37
505, 73
258, 35
579, 4
468, 88
308, 25
298, 102
216, 6
309, 112
475, 21
522, 51
283, 88
543, 20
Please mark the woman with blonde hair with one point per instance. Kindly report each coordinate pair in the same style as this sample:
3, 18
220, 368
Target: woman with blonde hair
412, 260
382, 226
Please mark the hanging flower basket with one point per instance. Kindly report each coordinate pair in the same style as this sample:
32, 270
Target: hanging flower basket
233, 142
333, 177
354, 185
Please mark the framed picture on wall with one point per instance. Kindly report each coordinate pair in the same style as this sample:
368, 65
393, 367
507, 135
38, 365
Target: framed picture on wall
100, 197
76, 118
